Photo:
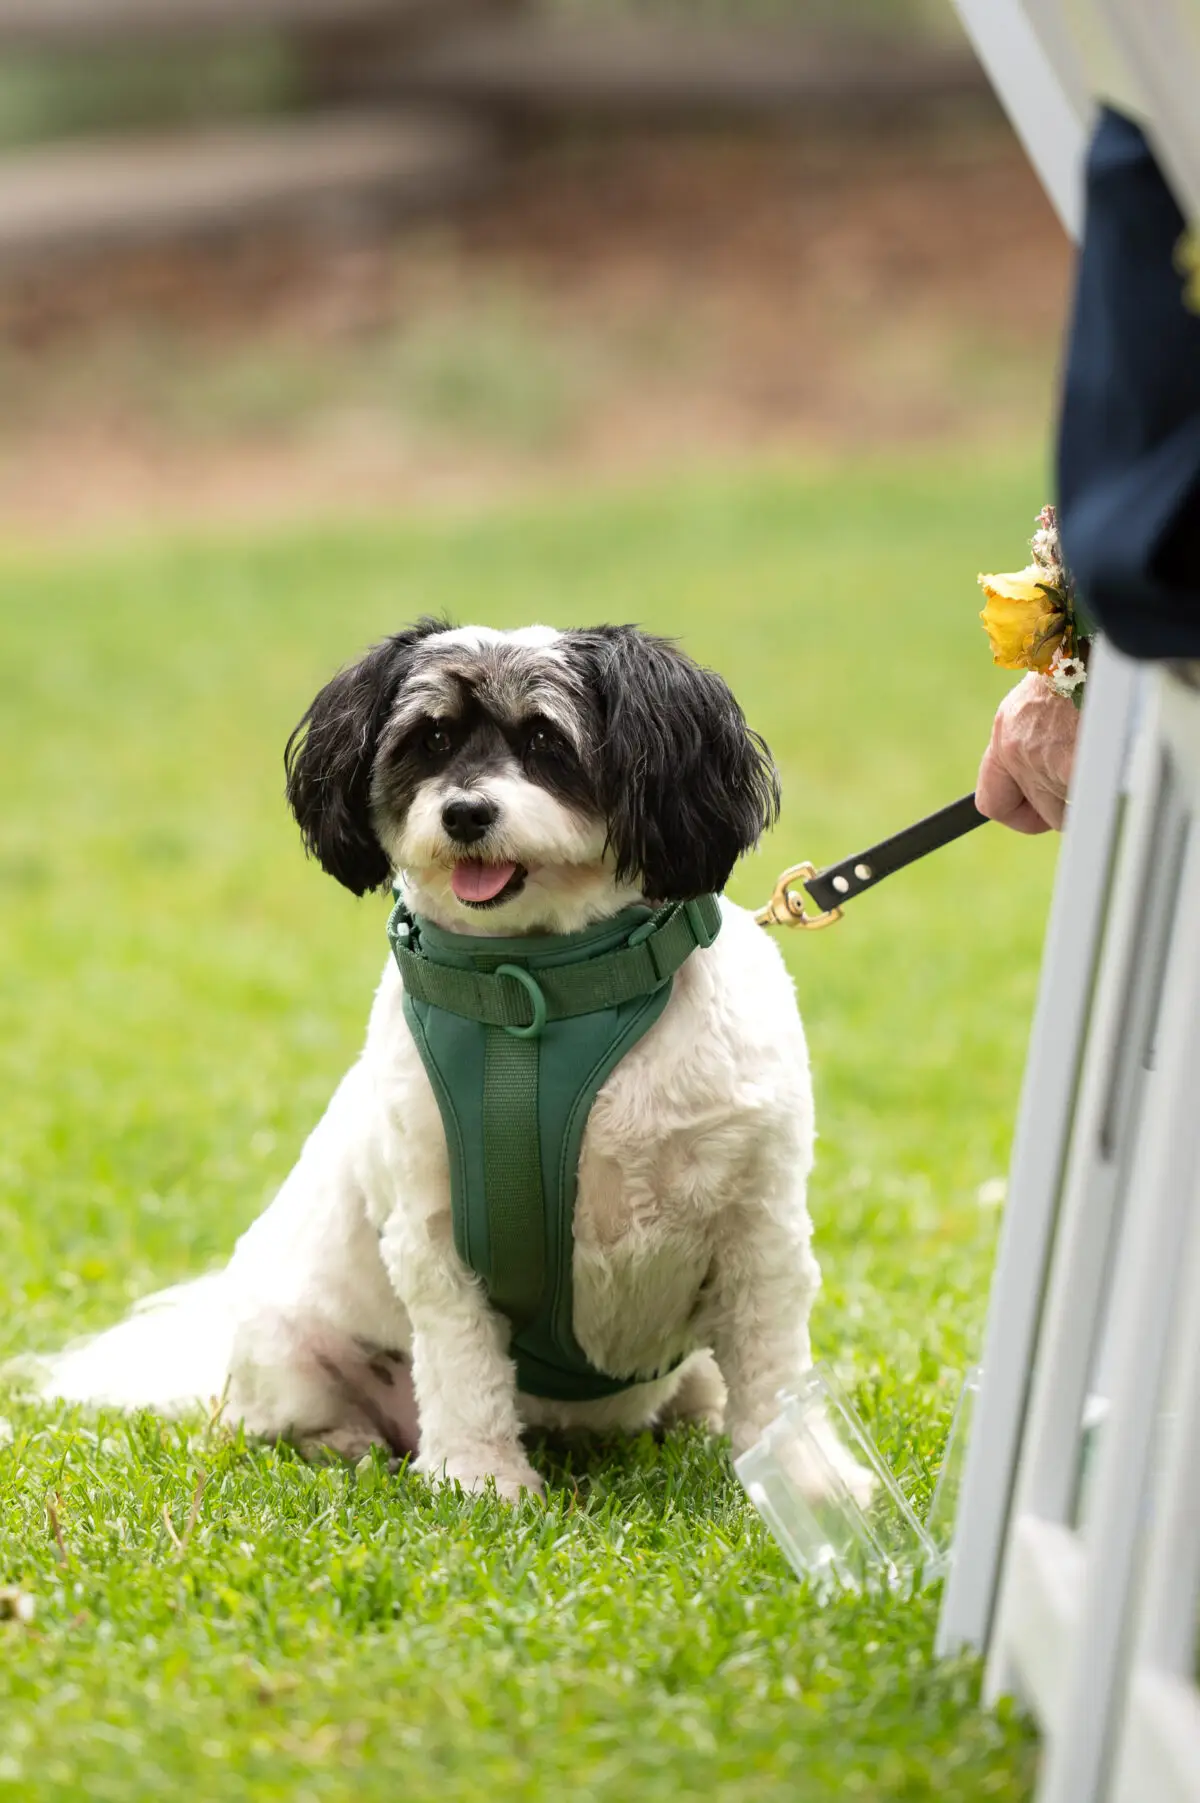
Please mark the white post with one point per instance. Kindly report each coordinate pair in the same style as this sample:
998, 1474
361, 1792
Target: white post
1162, 1182
1039, 1151
1041, 91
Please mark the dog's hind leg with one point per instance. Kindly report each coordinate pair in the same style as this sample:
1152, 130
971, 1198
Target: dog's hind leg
300, 1380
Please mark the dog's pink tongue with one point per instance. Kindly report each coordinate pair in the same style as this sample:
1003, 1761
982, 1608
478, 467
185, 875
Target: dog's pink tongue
473, 881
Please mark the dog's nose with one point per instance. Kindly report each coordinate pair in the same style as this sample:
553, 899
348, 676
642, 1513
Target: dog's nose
468, 818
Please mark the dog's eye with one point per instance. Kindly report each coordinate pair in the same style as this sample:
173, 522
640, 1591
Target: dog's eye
437, 742
539, 740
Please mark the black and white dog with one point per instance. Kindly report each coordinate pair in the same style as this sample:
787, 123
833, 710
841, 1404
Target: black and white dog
521, 783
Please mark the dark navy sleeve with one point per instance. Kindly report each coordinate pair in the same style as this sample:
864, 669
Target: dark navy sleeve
1129, 430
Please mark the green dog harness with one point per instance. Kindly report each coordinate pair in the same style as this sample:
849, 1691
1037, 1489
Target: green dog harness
517, 1036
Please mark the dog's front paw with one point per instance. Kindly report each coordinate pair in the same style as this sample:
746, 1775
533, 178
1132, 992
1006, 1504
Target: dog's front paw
512, 1477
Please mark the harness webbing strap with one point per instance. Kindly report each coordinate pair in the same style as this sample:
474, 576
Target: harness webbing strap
512, 1174
496, 999
518, 1035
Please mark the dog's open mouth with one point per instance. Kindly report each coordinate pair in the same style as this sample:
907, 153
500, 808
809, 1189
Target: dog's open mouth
482, 885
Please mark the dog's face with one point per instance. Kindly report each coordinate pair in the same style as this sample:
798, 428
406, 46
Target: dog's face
530, 781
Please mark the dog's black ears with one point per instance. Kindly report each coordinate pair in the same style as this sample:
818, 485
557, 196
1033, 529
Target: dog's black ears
686, 786
330, 755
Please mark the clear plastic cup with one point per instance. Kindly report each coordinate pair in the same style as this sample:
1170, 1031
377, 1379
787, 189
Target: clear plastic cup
840, 1528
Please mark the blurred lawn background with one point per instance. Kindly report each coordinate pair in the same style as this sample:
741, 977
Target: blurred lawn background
781, 394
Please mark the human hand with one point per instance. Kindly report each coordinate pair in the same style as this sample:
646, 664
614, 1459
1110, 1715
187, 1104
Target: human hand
1026, 768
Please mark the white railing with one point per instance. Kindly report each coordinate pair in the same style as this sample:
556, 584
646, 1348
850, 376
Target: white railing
1076, 1564
1098, 1563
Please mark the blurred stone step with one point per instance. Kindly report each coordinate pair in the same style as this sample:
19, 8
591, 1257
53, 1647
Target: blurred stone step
113, 194
531, 65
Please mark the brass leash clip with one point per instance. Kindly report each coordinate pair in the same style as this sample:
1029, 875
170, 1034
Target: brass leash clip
786, 908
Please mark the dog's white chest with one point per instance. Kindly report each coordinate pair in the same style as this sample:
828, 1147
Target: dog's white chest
670, 1147
642, 1244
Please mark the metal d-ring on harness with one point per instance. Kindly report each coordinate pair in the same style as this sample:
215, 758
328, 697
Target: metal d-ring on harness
839, 883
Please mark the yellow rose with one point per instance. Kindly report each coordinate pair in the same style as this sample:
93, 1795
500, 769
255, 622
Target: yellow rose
1024, 623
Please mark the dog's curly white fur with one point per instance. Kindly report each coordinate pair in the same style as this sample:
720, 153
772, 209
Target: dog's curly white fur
598, 768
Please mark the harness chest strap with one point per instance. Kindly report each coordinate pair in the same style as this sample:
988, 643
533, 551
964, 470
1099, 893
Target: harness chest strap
517, 1037
509, 995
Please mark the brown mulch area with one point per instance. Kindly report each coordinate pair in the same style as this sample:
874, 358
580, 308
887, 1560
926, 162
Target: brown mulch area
606, 309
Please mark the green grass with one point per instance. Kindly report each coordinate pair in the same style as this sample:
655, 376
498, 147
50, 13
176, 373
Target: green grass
180, 992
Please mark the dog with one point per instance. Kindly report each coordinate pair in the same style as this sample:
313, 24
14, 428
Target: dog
514, 785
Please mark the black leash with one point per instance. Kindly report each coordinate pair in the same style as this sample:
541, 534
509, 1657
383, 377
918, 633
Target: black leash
853, 876
839, 883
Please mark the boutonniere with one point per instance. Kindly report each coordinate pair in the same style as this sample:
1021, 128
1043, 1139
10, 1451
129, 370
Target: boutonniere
1032, 617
